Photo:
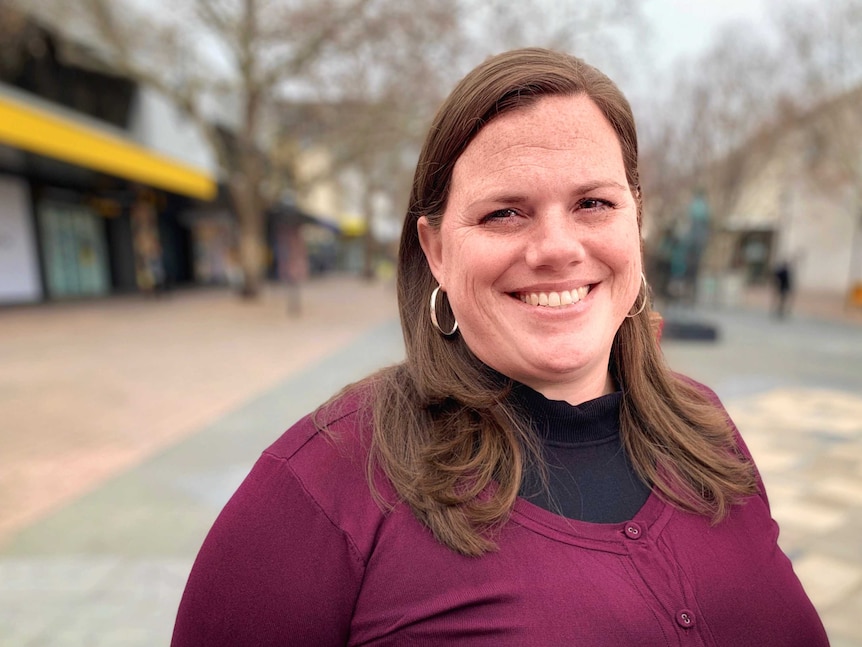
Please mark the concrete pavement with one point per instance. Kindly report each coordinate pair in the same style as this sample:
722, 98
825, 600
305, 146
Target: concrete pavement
164, 405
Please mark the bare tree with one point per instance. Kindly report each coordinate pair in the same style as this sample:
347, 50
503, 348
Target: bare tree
713, 115
711, 128
388, 90
229, 64
385, 95
15, 36
823, 49
734, 112
606, 34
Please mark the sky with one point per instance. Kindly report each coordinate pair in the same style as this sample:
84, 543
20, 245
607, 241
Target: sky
685, 27
677, 30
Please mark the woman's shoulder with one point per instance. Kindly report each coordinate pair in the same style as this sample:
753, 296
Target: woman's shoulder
340, 426
700, 387
712, 397
326, 455
708, 395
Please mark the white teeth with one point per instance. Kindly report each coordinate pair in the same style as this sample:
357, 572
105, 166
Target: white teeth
555, 299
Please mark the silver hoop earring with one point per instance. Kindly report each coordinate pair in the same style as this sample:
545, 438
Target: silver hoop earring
434, 321
645, 298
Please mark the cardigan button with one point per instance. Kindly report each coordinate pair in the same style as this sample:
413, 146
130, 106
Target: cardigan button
633, 530
685, 619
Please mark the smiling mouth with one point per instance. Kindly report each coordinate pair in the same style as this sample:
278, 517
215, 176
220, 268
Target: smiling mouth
554, 299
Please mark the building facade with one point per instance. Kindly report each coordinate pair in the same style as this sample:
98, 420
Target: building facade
97, 176
791, 194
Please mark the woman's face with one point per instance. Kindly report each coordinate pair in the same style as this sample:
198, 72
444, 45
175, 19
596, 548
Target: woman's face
538, 250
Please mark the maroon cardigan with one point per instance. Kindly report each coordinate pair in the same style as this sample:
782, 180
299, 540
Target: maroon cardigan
303, 555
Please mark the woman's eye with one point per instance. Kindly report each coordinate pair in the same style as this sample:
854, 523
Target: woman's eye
592, 204
500, 214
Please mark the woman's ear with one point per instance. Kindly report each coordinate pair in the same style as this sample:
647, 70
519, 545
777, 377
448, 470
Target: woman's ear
431, 241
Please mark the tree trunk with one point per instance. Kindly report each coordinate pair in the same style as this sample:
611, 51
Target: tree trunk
369, 243
252, 238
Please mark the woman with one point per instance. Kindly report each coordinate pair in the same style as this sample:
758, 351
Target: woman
532, 473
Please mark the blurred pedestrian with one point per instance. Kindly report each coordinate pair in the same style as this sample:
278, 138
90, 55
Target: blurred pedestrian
783, 283
532, 473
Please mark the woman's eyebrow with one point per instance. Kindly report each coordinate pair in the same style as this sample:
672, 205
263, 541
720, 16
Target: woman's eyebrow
507, 197
601, 184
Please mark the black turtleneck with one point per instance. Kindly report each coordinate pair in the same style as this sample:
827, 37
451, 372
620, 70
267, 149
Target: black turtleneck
590, 477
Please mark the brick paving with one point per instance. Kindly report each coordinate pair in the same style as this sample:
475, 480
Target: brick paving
808, 446
90, 389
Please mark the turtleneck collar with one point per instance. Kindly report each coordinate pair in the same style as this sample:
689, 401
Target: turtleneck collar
558, 421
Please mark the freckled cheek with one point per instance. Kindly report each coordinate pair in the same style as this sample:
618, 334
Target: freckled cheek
461, 266
622, 255
619, 254
473, 272
626, 246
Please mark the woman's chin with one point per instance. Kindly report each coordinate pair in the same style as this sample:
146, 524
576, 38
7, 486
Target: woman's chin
558, 371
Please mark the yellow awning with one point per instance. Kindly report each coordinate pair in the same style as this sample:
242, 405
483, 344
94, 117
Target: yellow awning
39, 131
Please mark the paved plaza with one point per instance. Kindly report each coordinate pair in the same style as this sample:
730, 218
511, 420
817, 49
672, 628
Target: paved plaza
794, 389
128, 423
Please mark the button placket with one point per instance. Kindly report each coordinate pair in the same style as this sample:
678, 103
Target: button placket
635, 532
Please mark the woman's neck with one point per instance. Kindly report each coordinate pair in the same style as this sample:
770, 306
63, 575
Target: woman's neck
576, 392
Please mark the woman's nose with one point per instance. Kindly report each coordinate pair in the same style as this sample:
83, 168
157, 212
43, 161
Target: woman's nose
554, 241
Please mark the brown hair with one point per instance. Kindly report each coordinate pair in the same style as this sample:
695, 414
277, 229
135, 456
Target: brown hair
443, 431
